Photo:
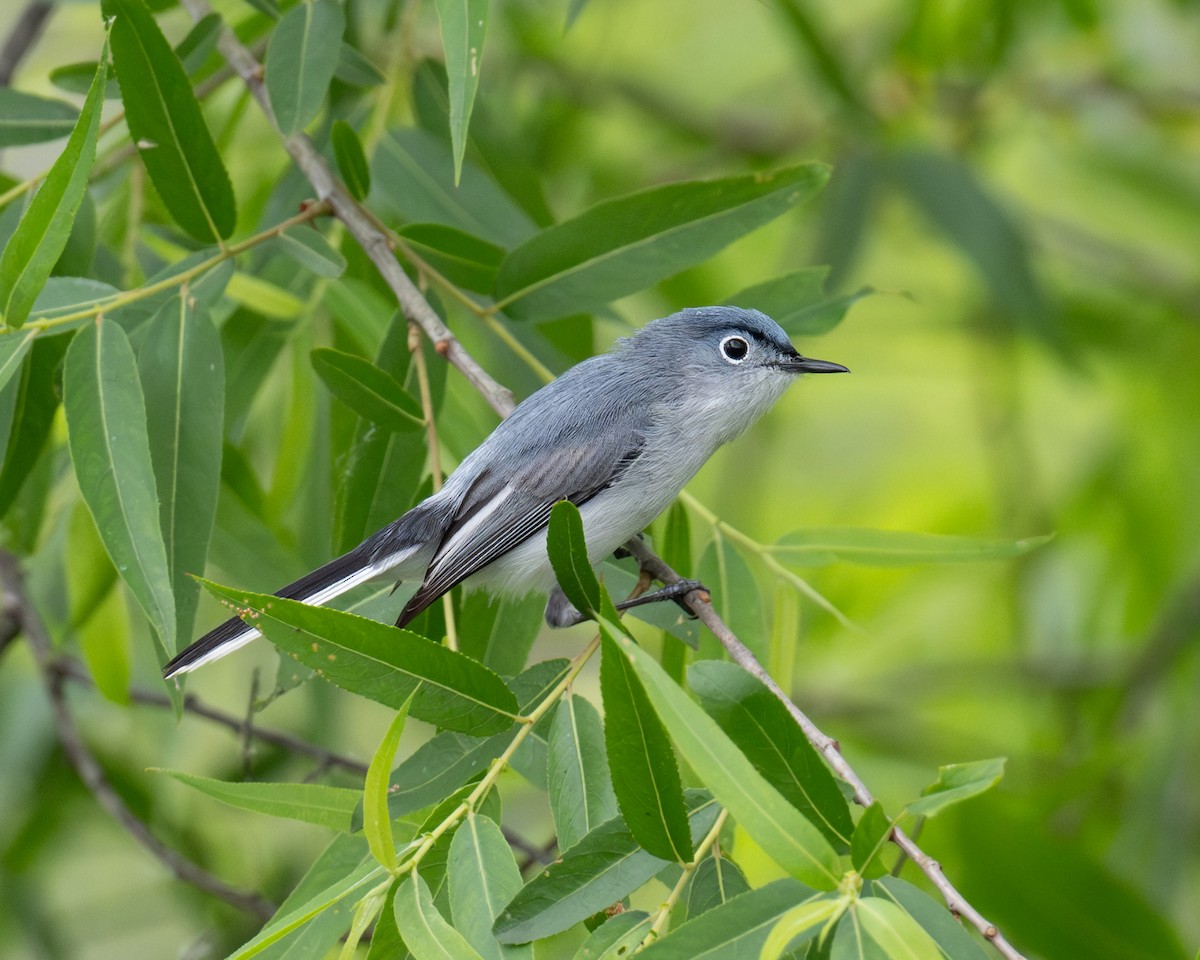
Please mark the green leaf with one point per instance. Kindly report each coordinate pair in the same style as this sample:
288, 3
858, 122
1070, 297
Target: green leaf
645, 775
802, 919
628, 244
200, 41
377, 819
797, 301
98, 613
900, 936
77, 78
26, 118
499, 632
182, 371
464, 24
106, 432
869, 840
568, 556
355, 69
957, 782
577, 776
766, 733
40, 237
165, 122
736, 595
733, 931
367, 390
381, 662
13, 348
616, 937
311, 250
315, 803
426, 933
483, 877
604, 867
948, 932
34, 406
820, 547
465, 260
716, 881
414, 176
782, 831
350, 159
301, 58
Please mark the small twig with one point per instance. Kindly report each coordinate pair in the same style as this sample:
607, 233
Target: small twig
90, 771
827, 746
663, 914
24, 35
70, 670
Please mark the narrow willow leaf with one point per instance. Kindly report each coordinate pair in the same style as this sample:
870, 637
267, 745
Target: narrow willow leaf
361, 877
568, 556
106, 431
413, 173
200, 41
628, 244
40, 237
13, 347
870, 837
354, 68
426, 932
499, 632
786, 836
716, 881
645, 775
579, 783
733, 931
948, 932
367, 390
957, 782
382, 662
900, 936
616, 937
892, 548
465, 260
770, 738
377, 820
182, 370
64, 295
314, 803
797, 301
736, 594
301, 58
165, 122
77, 78
464, 25
350, 159
26, 118
483, 877
311, 250
34, 405
604, 867
803, 919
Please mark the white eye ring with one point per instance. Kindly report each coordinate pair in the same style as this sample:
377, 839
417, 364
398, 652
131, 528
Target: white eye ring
734, 349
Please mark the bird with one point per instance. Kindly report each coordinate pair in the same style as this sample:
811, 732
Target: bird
618, 435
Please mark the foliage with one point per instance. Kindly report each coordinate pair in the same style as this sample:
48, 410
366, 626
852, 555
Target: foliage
981, 544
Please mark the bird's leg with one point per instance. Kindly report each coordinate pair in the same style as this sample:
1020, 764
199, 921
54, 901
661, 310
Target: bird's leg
561, 613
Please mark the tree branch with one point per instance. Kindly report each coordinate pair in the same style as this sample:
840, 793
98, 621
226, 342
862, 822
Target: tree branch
359, 223
24, 35
827, 746
16, 603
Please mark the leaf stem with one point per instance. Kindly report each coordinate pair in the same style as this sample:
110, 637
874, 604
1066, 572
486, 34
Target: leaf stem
663, 914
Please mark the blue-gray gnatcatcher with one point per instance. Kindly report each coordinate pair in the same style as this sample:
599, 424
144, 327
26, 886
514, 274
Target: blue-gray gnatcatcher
618, 435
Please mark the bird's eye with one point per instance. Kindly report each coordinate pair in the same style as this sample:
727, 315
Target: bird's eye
734, 349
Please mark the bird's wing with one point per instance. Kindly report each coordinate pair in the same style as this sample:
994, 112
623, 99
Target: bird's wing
494, 516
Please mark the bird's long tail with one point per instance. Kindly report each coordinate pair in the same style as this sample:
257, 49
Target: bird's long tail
320, 586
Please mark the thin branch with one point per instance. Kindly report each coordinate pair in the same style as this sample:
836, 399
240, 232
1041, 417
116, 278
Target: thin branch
702, 607
360, 224
24, 35
70, 670
17, 603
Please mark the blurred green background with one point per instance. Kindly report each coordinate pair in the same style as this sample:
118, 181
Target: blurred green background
1020, 184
